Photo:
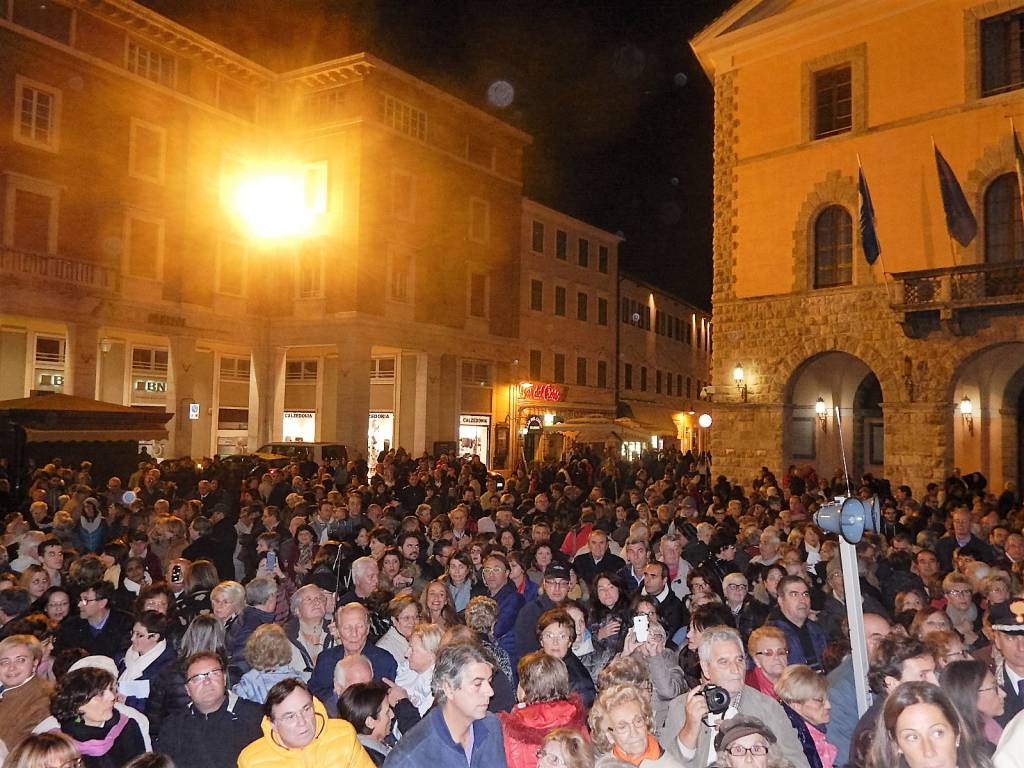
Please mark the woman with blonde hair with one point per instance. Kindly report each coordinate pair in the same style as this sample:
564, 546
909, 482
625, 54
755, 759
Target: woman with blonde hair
546, 702
804, 696
35, 580
565, 748
417, 669
768, 650
44, 750
622, 723
269, 654
436, 602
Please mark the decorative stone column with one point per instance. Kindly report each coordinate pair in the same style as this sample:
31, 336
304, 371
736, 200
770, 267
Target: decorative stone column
180, 392
353, 393
83, 367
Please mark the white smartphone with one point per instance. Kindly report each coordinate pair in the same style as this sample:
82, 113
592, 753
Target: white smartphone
641, 628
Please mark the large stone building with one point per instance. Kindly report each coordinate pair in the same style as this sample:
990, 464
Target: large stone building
922, 352
125, 274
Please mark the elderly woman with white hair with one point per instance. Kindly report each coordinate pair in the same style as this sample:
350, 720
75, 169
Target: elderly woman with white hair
622, 725
804, 696
416, 672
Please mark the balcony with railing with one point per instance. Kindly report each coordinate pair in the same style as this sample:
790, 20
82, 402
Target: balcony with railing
948, 294
50, 270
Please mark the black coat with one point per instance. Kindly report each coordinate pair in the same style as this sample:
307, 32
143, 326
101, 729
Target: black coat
113, 640
196, 740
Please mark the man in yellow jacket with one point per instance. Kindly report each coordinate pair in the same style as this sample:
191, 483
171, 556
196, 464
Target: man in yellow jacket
298, 734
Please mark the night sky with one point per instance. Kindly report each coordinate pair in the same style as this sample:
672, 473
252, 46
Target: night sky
620, 111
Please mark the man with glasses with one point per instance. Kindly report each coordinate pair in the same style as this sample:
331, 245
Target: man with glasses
510, 602
297, 731
99, 629
690, 727
804, 636
747, 612
553, 592
216, 726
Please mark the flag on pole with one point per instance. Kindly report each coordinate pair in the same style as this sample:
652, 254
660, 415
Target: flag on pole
960, 221
1018, 161
868, 236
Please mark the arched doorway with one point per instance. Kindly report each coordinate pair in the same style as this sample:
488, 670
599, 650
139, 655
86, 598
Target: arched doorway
990, 438
811, 434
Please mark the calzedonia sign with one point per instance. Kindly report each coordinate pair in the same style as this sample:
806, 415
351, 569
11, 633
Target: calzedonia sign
552, 393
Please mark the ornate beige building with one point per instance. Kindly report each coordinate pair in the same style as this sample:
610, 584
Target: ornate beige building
922, 352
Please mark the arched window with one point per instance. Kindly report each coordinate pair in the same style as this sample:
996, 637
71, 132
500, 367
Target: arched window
833, 248
1004, 229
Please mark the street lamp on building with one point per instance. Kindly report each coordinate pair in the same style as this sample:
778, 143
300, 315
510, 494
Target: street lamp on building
967, 414
822, 413
738, 379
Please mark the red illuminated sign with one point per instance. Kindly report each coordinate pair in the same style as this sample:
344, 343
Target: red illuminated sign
551, 393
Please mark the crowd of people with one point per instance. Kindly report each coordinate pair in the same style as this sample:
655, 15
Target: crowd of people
590, 612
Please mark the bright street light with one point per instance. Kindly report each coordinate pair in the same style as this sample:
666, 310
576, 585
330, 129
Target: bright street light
274, 205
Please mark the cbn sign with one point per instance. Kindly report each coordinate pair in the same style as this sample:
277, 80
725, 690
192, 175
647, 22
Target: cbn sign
551, 393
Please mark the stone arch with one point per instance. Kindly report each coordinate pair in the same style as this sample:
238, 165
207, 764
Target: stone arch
835, 189
780, 390
841, 381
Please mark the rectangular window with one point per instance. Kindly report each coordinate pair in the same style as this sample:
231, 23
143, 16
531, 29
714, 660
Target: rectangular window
536, 295
231, 268
679, 385
52, 20
538, 237
627, 376
643, 378
325, 106
401, 275
151, 64
315, 188
403, 118
144, 255
402, 195
627, 311
602, 259
1002, 58
657, 382
668, 383
583, 254
234, 369
559, 368
36, 114
146, 151
34, 221
535, 363
581, 306
301, 371
477, 295
476, 373
50, 351
309, 281
602, 374
602, 311
560, 301
479, 220
561, 245
382, 369
833, 101
149, 360
581, 371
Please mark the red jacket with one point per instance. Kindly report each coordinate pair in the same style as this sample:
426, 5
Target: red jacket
524, 728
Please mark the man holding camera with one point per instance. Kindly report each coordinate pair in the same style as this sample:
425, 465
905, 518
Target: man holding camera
694, 717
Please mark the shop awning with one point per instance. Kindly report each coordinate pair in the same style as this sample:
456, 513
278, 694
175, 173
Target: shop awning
659, 418
599, 429
58, 418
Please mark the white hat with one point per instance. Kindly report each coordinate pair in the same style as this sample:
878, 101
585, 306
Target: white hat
96, 662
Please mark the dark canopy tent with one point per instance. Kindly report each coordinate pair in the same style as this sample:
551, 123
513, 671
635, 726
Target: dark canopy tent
39, 429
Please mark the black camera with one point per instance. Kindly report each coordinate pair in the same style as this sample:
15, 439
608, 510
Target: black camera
717, 699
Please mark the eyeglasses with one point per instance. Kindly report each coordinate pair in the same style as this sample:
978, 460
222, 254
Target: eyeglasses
492, 569
556, 636
293, 718
557, 582
87, 600
638, 723
958, 592
555, 760
737, 587
961, 654
202, 677
758, 750
988, 688
75, 762
770, 652
142, 635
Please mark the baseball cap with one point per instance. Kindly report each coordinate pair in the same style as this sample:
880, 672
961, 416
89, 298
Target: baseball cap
557, 571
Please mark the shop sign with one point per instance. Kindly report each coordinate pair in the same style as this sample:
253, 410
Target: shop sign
150, 385
534, 424
552, 393
474, 421
299, 414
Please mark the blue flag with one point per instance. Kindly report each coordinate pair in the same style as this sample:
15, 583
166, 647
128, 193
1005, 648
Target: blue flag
868, 235
960, 221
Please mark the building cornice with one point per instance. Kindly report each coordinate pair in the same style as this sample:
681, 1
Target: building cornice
149, 25
625, 277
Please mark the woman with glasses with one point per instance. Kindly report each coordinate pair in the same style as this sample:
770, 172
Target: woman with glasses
556, 632
565, 748
948, 647
961, 609
745, 742
978, 698
83, 705
55, 603
622, 725
148, 656
44, 750
546, 702
804, 696
769, 652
